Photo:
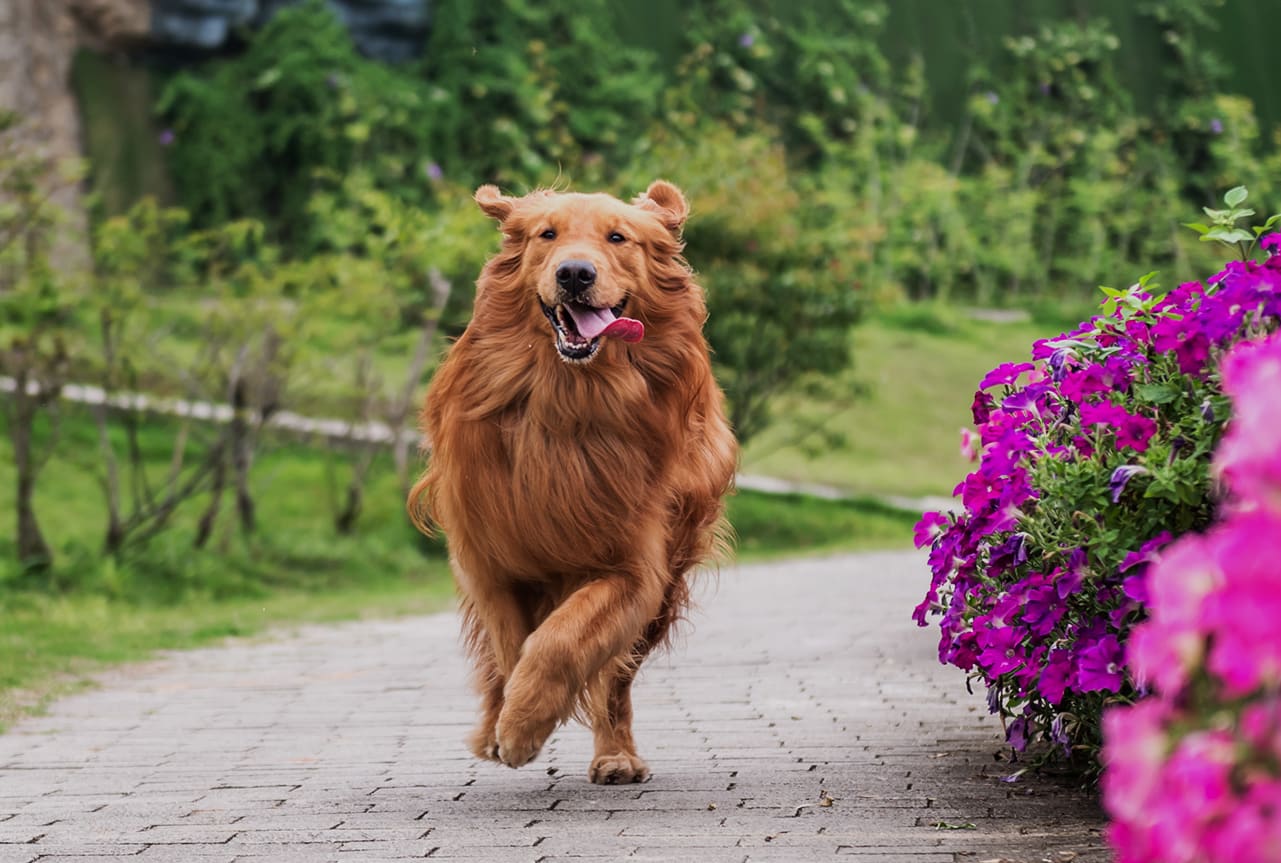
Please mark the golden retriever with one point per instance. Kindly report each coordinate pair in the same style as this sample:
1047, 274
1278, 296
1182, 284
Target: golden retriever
579, 458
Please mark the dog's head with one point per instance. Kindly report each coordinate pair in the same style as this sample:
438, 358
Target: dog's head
597, 268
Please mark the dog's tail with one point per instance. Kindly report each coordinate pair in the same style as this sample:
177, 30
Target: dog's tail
418, 504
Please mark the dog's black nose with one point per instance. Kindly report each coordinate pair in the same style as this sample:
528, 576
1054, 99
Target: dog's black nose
575, 276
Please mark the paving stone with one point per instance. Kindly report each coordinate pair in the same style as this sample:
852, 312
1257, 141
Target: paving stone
803, 717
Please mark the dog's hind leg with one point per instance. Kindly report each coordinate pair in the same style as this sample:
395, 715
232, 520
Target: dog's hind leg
595, 625
616, 761
495, 624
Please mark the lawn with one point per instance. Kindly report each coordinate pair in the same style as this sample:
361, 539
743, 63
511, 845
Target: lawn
902, 407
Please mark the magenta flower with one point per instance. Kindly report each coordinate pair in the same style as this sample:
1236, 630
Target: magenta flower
1004, 374
929, 528
1100, 666
1131, 431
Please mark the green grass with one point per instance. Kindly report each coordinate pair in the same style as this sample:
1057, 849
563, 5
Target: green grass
771, 526
904, 403
50, 644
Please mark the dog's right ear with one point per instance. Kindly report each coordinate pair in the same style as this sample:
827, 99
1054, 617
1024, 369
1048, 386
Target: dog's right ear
495, 204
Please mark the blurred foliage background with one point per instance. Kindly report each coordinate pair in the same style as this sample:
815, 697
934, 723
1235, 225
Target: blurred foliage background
285, 226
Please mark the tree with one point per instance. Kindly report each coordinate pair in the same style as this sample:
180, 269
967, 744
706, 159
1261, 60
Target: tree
36, 304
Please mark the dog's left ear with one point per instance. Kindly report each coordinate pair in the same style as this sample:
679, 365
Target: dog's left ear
665, 201
495, 204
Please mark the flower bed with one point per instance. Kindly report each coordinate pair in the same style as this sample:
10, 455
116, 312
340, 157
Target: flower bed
1093, 457
1193, 773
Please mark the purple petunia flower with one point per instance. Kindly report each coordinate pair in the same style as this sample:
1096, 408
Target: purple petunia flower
1000, 649
1216, 126
1016, 734
1121, 478
747, 40
1056, 676
981, 407
1271, 243
1012, 552
1058, 363
433, 171
1100, 666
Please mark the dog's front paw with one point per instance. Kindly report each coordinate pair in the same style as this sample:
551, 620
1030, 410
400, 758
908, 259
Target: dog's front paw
483, 743
519, 744
619, 768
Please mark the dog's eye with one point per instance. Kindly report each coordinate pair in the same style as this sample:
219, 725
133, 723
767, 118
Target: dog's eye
616, 238
549, 234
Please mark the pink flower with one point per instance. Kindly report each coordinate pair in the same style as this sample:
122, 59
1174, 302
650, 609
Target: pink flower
1134, 750
969, 450
1164, 649
1249, 457
1241, 616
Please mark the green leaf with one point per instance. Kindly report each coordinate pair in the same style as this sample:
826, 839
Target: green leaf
1216, 216
1197, 226
1235, 196
267, 78
1228, 235
1157, 394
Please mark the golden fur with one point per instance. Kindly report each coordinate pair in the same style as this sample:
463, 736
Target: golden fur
576, 497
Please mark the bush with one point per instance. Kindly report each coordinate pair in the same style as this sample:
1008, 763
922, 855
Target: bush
781, 296
521, 91
249, 136
1092, 458
1193, 773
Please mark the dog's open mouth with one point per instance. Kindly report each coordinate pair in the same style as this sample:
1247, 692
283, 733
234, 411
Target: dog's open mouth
579, 328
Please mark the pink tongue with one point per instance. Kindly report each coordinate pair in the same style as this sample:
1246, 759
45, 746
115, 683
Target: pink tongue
592, 322
627, 329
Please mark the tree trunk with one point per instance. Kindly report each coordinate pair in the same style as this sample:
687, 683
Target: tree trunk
33, 551
205, 527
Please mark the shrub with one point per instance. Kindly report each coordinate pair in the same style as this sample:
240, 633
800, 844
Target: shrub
249, 136
1093, 457
521, 90
1193, 773
781, 294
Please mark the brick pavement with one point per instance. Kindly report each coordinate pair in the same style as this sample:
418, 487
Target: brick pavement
803, 717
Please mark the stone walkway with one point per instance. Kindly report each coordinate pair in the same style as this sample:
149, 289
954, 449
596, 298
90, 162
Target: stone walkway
803, 717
